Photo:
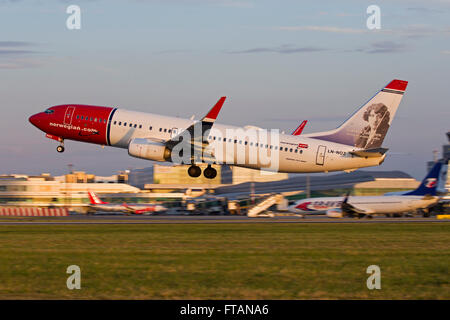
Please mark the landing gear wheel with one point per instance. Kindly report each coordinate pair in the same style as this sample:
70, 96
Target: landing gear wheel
210, 173
194, 171
60, 149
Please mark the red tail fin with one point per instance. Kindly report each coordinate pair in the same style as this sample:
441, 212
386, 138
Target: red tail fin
95, 199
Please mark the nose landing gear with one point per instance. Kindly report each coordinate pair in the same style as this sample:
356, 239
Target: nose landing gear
60, 148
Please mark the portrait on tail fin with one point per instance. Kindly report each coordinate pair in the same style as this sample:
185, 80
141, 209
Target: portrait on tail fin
377, 116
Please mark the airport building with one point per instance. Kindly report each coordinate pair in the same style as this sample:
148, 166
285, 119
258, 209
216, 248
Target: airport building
324, 185
445, 159
47, 191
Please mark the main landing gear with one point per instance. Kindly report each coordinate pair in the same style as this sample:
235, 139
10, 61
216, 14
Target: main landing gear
195, 172
210, 172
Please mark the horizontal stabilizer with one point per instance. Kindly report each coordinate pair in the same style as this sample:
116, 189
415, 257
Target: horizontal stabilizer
370, 153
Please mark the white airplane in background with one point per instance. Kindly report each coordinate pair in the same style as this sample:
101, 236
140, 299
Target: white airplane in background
357, 143
98, 205
337, 207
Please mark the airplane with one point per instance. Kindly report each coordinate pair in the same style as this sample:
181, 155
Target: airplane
357, 143
421, 198
98, 205
300, 128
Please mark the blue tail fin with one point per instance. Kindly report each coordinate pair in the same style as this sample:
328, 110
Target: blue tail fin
429, 183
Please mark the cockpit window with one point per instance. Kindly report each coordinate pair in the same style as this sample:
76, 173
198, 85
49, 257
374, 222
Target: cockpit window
49, 111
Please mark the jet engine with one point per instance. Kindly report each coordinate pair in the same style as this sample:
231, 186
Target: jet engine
334, 213
148, 149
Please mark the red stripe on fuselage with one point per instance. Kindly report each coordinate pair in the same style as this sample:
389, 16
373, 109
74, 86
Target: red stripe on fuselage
87, 123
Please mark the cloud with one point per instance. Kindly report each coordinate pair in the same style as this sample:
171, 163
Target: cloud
384, 47
19, 63
409, 31
284, 49
235, 4
424, 10
15, 55
445, 52
322, 29
15, 44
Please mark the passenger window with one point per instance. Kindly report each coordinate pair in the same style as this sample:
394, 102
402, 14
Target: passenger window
91, 119
95, 120
131, 125
120, 123
140, 126
124, 124
160, 129
165, 130
150, 128
82, 117
115, 122
290, 150
78, 117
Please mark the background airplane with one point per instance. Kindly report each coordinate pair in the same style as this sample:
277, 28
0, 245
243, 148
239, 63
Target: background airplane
336, 207
355, 144
98, 205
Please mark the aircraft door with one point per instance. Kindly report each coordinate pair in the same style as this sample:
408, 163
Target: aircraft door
174, 132
320, 157
69, 115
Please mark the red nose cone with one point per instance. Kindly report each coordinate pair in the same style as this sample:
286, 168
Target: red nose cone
34, 120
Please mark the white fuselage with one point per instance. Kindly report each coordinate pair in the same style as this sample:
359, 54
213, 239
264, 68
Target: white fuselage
286, 153
367, 204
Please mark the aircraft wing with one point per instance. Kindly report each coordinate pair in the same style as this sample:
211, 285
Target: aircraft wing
194, 135
350, 209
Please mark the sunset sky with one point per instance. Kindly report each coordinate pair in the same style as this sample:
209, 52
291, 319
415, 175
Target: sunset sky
278, 62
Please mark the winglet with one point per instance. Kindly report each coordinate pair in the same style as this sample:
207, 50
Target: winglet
214, 112
397, 85
94, 199
300, 128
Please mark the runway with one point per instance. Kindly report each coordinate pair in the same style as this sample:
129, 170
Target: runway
166, 219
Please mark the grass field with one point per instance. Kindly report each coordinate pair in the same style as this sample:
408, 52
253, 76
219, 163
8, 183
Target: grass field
226, 261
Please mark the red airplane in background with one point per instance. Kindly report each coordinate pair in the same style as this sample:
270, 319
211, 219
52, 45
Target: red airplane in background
98, 205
